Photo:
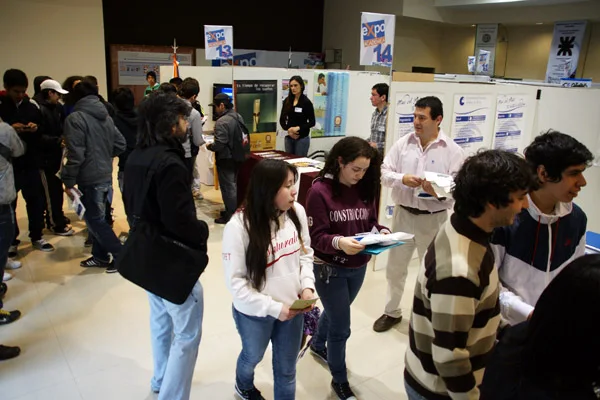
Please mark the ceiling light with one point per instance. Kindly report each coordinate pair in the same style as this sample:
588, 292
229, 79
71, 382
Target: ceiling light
539, 23
473, 25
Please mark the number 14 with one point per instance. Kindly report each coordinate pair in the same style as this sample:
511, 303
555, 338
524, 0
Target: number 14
384, 56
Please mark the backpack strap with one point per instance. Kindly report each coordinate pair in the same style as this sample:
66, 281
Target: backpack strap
151, 171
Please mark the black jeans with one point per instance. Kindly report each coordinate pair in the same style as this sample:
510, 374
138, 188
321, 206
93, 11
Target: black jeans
54, 199
227, 171
190, 163
29, 183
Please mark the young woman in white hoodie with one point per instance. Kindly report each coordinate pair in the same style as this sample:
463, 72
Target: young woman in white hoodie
268, 265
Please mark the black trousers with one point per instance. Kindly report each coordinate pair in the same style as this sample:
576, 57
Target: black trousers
227, 171
53, 199
29, 182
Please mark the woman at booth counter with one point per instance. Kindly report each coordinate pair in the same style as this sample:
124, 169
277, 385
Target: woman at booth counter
297, 117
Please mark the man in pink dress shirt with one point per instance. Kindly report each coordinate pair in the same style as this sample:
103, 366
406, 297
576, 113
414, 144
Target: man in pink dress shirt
426, 149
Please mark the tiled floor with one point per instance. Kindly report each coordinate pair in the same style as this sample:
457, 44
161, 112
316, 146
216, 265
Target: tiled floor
84, 334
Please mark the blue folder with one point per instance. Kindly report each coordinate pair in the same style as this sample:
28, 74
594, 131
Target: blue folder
592, 241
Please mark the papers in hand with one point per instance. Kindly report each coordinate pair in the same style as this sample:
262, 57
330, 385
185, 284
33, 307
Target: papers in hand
441, 184
75, 204
383, 240
302, 304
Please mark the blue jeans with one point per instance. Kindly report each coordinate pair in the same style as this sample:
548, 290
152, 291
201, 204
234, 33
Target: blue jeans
337, 287
7, 231
256, 332
175, 334
412, 393
298, 147
96, 200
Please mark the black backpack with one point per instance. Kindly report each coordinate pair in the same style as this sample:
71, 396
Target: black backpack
240, 147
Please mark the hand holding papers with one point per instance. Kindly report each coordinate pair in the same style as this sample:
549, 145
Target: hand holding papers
440, 184
376, 243
75, 201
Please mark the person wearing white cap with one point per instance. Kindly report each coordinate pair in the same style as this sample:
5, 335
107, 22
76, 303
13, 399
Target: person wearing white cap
53, 117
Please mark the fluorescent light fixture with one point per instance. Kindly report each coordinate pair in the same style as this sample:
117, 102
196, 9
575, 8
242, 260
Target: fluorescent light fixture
539, 23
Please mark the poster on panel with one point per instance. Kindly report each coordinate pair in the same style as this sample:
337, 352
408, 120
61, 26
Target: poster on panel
377, 39
218, 42
133, 65
273, 59
331, 104
486, 39
565, 50
473, 121
256, 102
405, 108
509, 127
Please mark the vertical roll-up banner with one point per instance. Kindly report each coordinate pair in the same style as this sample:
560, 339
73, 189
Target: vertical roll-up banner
486, 39
218, 42
565, 50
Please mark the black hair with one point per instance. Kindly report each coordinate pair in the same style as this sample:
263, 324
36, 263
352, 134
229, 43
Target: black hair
288, 104
490, 176
176, 81
562, 349
228, 103
435, 104
189, 88
152, 74
15, 77
260, 213
46, 93
68, 98
83, 89
123, 99
556, 151
321, 75
92, 79
158, 114
349, 149
382, 89
37, 83
167, 88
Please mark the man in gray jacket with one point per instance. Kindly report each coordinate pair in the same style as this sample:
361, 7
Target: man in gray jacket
10, 146
92, 142
226, 127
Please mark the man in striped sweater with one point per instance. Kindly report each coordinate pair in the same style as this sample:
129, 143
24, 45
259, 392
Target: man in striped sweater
456, 312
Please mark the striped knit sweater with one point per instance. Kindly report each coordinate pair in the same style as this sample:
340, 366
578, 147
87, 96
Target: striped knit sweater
455, 314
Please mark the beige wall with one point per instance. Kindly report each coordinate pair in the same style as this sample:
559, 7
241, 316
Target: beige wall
591, 68
53, 37
528, 51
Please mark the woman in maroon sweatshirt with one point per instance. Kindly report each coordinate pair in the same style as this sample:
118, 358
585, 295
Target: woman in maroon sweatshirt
340, 204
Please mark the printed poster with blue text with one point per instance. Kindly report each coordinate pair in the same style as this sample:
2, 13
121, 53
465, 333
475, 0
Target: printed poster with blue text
405, 110
331, 104
473, 121
377, 39
511, 111
218, 42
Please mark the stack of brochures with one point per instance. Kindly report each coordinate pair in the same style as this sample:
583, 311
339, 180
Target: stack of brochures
376, 243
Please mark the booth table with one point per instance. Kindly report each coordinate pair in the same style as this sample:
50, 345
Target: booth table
305, 179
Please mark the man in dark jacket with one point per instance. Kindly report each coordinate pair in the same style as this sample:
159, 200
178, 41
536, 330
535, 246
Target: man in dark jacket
25, 118
51, 154
92, 141
226, 127
175, 329
126, 120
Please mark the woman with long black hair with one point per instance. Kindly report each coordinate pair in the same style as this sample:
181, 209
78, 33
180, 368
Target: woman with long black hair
268, 265
297, 117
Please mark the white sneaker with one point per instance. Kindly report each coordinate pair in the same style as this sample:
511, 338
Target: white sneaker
42, 245
6, 277
13, 264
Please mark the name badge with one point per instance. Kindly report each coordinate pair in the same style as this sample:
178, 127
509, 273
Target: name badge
298, 109
381, 129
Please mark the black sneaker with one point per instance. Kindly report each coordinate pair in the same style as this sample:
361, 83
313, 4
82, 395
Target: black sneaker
111, 269
64, 231
93, 262
6, 317
252, 394
320, 354
42, 245
7, 352
343, 391
221, 220
88, 242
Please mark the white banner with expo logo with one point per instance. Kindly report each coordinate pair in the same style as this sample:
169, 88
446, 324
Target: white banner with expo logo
218, 42
377, 39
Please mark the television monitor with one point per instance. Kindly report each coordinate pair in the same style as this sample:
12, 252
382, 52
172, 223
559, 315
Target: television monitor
226, 88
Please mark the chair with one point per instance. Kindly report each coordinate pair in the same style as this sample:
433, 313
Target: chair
318, 154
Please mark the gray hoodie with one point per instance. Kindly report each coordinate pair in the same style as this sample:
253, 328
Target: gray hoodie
93, 141
10, 139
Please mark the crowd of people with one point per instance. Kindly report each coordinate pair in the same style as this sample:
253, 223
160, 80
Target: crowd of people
504, 300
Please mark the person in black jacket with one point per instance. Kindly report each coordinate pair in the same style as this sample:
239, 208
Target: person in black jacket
556, 354
25, 118
53, 117
297, 117
126, 120
175, 329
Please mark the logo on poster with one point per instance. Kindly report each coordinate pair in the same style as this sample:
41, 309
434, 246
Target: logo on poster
565, 47
373, 33
215, 38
